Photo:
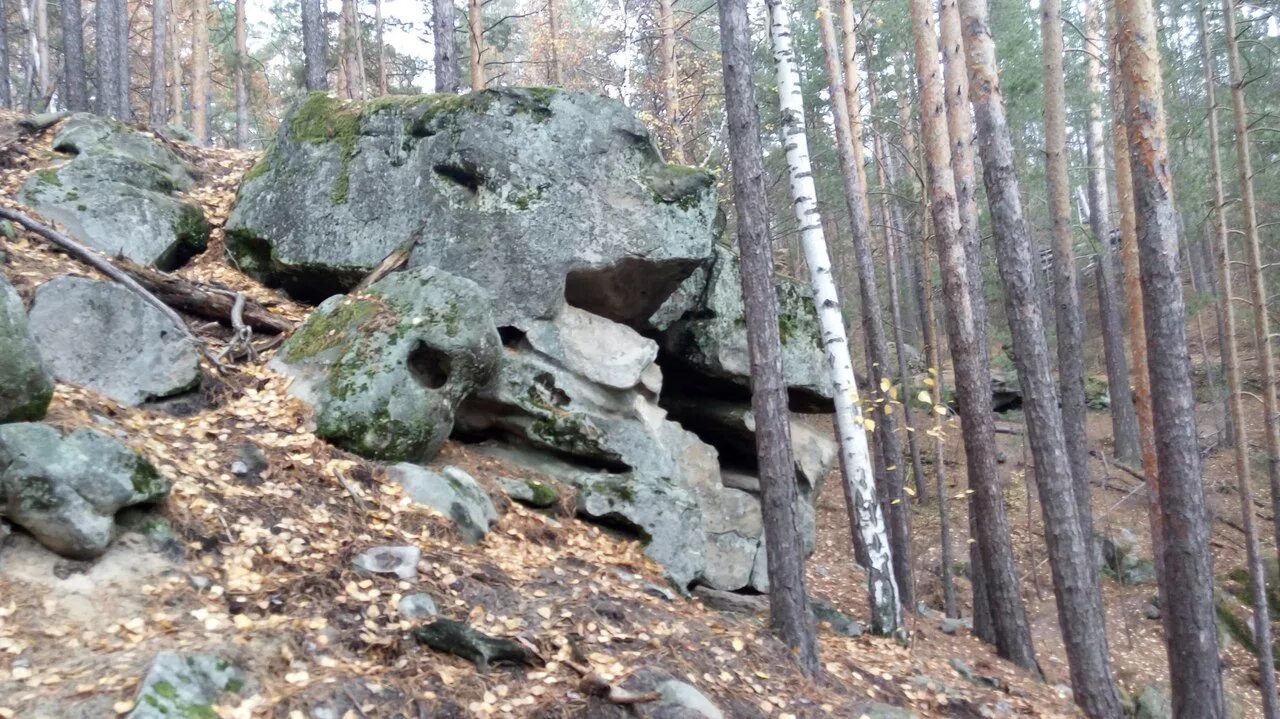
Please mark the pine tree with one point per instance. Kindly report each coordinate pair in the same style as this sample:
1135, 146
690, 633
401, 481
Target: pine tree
475, 25
669, 80
443, 31
73, 68
200, 71
315, 45
158, 113
241, 76
6, 95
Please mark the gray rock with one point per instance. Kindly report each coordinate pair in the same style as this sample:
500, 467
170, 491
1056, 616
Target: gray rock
880, 710
537, 195
179, 685
451, 492
1120, 559
916, 363
251, 463
398, 562
733, 602
685, 695
25, 385
101, 336
66, 491
539, 495
385, 370
951, 625
605, 352
1151, 611
711, 338
1152, 703
841, 623
5, 531
117, 194
417, 606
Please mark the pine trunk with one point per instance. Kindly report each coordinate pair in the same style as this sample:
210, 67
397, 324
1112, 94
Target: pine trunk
107, 51
670, 89
1195, 672
158, 112
124, 71
72, 56
175, 69
475, 32
1124, 419
849, 150
857, 477
6, 95
382, 47
40, 48
973, 379
443, 21
200, 71
1231, 359
789, 609
349, 44
554, 72
315, 45
241, 77
907, 182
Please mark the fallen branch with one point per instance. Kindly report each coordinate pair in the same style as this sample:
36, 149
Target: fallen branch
392, 262
597, 686
102, 264
202, 300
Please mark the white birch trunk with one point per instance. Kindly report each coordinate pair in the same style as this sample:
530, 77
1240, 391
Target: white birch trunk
856, 459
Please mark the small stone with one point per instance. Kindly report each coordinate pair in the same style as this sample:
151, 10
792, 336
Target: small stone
539, 495
417, 606
951, 625
399, 562
239, 468
840, 622
185, 685
1152, 612
683, 694
199, 582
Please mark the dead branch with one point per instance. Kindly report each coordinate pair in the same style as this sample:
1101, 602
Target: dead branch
392, 262
597, 686
202, 300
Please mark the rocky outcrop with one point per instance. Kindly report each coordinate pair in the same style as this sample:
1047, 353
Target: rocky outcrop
386, 369
534, 194
25, 385
118, 193
185, 685
704, 332
65, 491
101, 336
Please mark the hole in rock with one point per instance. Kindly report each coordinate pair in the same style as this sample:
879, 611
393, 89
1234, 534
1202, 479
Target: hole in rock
510, 336
629, 291
463, 175
429, 365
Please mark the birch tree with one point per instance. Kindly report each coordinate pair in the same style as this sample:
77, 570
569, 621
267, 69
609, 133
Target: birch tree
443, 32
1195, 670
1231, 358
855, 463
788, 606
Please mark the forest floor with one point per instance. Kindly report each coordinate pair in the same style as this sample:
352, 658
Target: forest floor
259, 572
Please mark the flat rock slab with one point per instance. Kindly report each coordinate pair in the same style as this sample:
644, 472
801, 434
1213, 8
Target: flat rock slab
101, 336
189, 685
25, 385
398, 562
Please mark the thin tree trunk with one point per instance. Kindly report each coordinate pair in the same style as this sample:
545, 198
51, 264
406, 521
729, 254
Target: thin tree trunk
1231, 358
670, 89
789, 609
362, 72
554, 72
175, 69
1257, 283
6, 95
914, 267
1195, 672
315, 45
200, 71
125, 69
107, 52
475, 24
241, 77
72, 56
1070, 322
857, 477
382, 47
158, 112
349, 42
973, 378
1124, 420
1207, 251
40, 46
849, 150
1081, 617
1134, 300
443, 32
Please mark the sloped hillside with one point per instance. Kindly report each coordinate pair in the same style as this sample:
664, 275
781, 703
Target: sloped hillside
251, 589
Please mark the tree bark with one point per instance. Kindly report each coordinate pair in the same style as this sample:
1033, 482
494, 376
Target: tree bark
1254, 262
352, 69
670, 87
6, 95
849, 150
241, 77
554, 71
789, 609
858, 481
443, 20
973, 379
1071, 554
315, 45
107, 50
40, 47
475, 23
158, 112
175, 69
200, 71
1195, 672
382, 47
1231, 359
72, 56
912, 262
125, 71
1124, 419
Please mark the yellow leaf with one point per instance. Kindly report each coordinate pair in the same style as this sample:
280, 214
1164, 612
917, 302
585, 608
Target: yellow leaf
888, 409
738, 644
928, 381
942, 411
910, 492
869, 424
885, 384
924, 397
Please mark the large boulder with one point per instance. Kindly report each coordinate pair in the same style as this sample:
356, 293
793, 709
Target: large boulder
101, 336
705, 333
537, 195
386, 369
118, 193
66, 491
25, 385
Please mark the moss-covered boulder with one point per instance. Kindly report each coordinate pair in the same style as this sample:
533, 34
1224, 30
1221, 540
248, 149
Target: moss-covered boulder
25, 385
185, 686
118, 192
705, 333
535, 194
385, 369
65, 491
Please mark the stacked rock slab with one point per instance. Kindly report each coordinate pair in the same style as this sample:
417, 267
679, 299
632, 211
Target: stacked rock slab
25, 385
118, 193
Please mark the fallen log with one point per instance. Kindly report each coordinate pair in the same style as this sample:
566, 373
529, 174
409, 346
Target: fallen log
203, 300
